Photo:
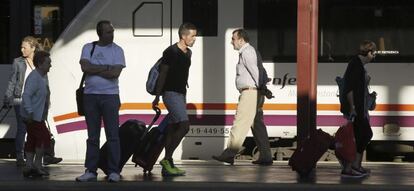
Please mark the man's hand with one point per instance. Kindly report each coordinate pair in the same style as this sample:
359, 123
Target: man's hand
29, 119
352, 113
155, 102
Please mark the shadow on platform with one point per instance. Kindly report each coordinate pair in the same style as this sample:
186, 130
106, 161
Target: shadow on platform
209, 175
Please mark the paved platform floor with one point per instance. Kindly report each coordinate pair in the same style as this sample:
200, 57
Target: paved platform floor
214, 176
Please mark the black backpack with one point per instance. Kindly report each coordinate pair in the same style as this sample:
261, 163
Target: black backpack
263, 78
343, 100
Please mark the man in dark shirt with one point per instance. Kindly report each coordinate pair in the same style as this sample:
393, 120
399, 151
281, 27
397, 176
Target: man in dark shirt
356, 90
171, 85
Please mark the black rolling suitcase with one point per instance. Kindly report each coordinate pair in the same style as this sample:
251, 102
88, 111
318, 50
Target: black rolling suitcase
304, 158
130, 133
151, 146
7, 110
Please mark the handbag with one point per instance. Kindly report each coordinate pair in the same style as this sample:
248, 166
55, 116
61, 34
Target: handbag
79, 91
345, 146
79, 97
372, 101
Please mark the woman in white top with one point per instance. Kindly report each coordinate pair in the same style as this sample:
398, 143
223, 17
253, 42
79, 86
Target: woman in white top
21, 68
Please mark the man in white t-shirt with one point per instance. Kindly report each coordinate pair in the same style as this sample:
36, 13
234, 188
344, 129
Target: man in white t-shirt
102, 62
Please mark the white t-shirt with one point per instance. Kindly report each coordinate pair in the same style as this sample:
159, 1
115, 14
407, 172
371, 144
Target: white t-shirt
17, 101
111, 54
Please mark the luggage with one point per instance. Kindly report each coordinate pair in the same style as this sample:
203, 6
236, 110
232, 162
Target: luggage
130, 133
7, 110
151, 146
345, 146
304, 158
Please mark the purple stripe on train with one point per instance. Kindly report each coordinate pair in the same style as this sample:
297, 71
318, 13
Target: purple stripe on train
271, 120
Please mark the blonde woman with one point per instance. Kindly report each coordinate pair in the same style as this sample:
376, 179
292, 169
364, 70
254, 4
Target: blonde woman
21, 68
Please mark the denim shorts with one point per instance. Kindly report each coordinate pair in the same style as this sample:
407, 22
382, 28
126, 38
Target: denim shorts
176, 106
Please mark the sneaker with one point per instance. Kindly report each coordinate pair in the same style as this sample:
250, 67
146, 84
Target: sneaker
361, 170
114, 177
32, 172
51, 160
20, 162
41, 172
351, 174
179, 171
167, 169
87, 177
28, 172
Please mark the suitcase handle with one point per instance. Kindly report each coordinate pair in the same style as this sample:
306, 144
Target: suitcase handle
157, 115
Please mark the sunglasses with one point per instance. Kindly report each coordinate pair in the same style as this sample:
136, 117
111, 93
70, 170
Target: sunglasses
373, 53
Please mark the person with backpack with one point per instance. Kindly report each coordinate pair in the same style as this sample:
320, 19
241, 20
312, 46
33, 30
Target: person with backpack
251, 82
171, 85
356, 80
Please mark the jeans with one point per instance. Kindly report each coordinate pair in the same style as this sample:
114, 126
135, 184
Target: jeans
176, 105
106, 107
20, 134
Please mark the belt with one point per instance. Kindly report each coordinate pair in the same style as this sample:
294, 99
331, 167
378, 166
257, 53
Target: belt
248, 88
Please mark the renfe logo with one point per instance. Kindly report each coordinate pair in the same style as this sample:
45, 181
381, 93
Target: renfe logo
285, 80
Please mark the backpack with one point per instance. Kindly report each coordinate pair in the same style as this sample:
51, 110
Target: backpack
153, 77
263, 78
343, 100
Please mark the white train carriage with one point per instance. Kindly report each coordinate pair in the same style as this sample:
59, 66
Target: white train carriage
144, 28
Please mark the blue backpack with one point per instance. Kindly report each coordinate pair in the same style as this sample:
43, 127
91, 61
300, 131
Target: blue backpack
153, 77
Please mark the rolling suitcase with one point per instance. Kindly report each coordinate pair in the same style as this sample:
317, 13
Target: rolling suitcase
151, 146
345, 146
130, 133
7, 110
304, 158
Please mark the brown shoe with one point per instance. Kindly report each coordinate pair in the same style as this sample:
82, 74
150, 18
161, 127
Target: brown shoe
51, 160
263, 162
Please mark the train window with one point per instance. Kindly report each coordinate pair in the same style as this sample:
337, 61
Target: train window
46, 24
203, 14
275, 23
345, 23
4, 31
148, 19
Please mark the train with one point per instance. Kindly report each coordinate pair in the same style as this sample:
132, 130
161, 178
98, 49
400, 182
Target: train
144, 28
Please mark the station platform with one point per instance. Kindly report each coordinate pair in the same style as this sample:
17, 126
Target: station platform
214, 176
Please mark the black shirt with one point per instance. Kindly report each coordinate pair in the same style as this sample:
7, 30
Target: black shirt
355, 81
179, 65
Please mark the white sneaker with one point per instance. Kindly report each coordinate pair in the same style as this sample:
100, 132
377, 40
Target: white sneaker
87, 177
114, 177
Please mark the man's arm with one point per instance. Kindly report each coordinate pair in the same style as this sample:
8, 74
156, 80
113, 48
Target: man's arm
249, 60
105, 71
111, 72
91, 69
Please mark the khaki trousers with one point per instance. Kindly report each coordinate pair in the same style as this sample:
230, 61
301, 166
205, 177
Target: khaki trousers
249, 114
